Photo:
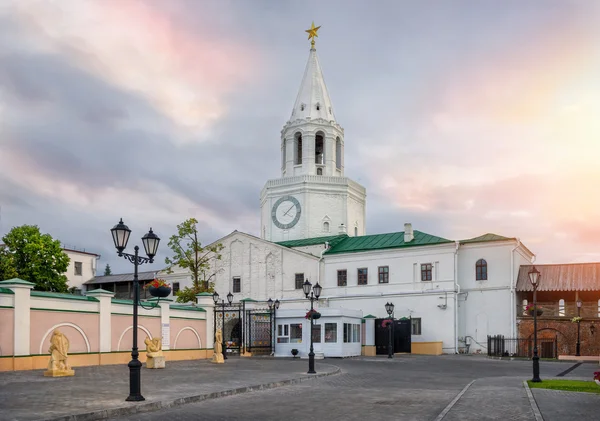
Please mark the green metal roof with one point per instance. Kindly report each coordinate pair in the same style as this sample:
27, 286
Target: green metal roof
485, 238
99, 291
16, 281
369, 316
332, 239
384, 241
6, 291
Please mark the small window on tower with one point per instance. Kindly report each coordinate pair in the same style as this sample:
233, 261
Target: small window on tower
302, 107
319, 171
318, 106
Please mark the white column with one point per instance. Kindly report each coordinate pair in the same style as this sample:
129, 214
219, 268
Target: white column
104, 297
205, 300
369, 332
22, 314
165, 323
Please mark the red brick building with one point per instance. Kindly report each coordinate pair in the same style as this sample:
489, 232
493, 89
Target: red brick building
560, 287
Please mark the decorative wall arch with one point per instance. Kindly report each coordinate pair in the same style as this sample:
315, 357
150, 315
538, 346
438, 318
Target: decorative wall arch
74, 326
129, 328
195, 333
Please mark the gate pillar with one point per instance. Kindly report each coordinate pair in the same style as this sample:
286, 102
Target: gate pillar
205, 300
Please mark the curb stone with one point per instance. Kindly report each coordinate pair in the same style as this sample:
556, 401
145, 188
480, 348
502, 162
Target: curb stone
157, 405
533, 403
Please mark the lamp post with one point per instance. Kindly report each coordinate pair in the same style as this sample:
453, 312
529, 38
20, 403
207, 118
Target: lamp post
120, 234
389, 307
534, 278
229, 300
578, 348
273, 307
312, 293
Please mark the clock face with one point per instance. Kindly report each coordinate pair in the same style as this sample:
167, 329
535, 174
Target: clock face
286, 212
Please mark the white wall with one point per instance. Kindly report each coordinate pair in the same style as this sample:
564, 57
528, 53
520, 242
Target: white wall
89, 266
485, 306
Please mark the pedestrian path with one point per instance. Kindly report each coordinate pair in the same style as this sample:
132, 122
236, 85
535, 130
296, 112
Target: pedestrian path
99, 392
495, 398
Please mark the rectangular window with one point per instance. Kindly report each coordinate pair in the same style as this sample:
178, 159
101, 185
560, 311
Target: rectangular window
384, 274
237, 284
362, 276
330, 333
347, 332
299, 280
415, 326
78, 268
283, 334
316, 334
342, 277
175, 287
296, 333
426, 271
356, 333
298, 160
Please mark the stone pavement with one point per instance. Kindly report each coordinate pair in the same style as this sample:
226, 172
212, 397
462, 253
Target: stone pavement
408, 387
405, 388
28, 395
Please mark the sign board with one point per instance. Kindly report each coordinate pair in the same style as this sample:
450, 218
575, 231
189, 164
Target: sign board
166, 335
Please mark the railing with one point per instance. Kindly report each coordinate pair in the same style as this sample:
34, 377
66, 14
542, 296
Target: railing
499, 346
566, 311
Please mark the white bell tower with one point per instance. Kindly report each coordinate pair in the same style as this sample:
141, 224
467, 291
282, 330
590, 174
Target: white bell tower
312, 197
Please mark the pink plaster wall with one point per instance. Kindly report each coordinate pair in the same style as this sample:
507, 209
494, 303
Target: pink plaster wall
44, 321
121, 323
7, 325
187, 339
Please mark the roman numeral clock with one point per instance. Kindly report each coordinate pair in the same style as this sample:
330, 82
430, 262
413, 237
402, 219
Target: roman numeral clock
286, 212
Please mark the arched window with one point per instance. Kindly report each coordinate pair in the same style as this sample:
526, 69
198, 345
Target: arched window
319, 171
356, 231
298, 149
319, 149
481, 270
325, 226
338, 153
561, 308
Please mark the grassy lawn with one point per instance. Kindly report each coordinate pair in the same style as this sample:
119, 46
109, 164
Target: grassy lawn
568, 385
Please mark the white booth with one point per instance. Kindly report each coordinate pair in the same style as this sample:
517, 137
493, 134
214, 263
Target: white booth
336, 334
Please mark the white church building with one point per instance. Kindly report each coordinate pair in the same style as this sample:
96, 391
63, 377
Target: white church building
312, 226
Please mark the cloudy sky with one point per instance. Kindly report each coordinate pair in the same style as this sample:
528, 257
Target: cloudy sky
462, 117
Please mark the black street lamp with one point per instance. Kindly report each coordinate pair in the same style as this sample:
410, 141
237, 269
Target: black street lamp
389, 307
229, 300
578, 349
120, 234
534, 278
312, 295
273, 307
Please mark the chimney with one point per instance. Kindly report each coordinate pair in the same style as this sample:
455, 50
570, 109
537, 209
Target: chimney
342, 229
409, 235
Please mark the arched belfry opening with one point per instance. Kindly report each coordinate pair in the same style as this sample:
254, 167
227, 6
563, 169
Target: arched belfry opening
320, 149
298, 149
338, 153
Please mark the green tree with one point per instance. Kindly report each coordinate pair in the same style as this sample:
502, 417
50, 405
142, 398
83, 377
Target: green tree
188, 253
7, 265
107, 270
36, 258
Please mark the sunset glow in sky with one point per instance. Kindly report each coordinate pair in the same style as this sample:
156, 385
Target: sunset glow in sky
462, 117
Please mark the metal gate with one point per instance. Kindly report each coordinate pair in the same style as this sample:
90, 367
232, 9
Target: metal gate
401, 336
244, 330
258, 331
229, 319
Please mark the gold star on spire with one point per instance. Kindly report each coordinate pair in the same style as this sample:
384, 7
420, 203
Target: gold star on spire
312, 33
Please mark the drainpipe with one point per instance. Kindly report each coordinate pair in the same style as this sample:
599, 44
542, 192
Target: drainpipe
456, 292
513, 299
320, 260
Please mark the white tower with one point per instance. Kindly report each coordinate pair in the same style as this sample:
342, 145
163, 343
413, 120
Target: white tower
312, 198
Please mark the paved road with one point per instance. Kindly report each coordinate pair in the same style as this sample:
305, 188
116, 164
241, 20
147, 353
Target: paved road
405, 388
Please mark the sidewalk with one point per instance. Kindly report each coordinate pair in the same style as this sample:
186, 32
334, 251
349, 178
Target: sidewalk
100, 391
